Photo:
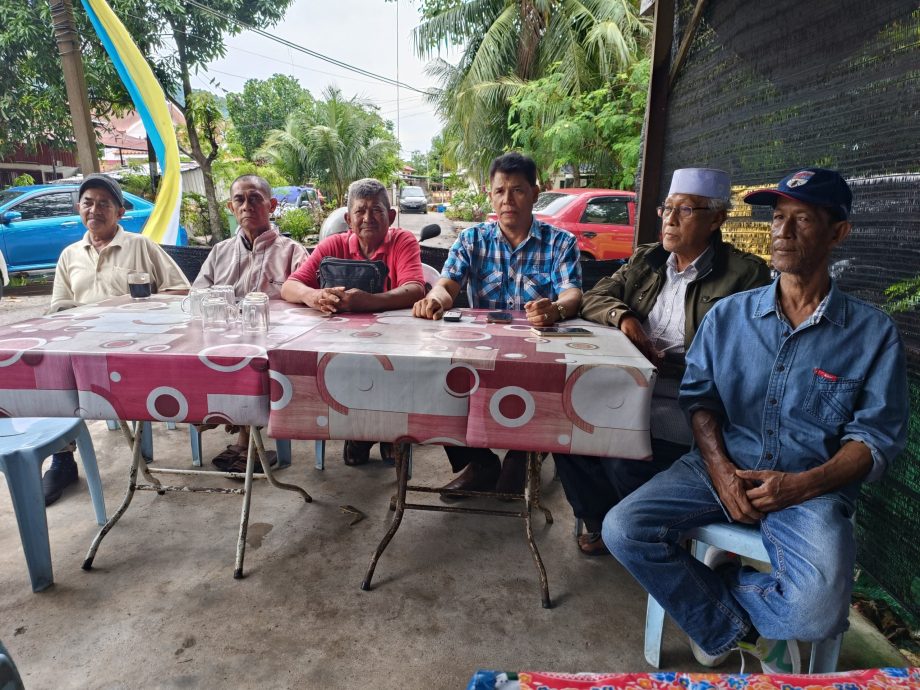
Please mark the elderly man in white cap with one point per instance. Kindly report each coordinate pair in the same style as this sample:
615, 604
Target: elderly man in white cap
658, 300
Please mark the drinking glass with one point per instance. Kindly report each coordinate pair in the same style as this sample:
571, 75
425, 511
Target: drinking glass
216, 314
225, 291
255, 313
139, 285
191, 305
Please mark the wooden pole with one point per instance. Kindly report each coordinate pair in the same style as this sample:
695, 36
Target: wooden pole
68, 44
656, 115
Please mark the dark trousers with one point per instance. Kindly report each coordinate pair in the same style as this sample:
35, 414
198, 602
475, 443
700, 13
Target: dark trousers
594, 485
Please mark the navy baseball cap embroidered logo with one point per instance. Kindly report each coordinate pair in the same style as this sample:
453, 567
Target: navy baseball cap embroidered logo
817, 186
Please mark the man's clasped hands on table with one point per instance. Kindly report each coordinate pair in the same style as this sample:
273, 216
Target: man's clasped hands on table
775, 398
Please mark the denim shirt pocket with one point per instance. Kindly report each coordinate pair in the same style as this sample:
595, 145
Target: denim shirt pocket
537, 285
832, 400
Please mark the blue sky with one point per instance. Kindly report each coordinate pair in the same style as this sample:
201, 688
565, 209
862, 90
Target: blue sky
360, 32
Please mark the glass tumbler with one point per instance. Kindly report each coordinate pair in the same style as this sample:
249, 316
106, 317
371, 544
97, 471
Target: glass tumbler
139, 285
216, 314
255, 313
191, 305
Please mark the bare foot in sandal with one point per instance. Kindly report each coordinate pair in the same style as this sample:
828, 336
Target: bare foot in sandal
591, 544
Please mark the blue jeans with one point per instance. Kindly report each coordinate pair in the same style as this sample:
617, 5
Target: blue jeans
811, 546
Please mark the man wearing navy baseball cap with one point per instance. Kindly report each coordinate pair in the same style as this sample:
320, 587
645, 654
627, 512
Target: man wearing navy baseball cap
796, 394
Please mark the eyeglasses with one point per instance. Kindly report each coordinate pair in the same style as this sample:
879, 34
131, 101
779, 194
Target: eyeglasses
682, 211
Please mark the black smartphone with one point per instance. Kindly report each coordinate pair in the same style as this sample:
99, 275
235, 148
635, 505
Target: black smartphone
498, 317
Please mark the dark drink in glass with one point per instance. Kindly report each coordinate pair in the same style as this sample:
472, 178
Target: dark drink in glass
139, 285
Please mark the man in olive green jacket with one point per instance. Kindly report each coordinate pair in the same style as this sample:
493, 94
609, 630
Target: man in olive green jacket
658, 300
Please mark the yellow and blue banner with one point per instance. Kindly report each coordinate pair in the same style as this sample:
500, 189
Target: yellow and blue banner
150, 103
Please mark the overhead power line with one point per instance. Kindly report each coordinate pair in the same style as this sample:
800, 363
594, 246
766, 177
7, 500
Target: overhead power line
307, 51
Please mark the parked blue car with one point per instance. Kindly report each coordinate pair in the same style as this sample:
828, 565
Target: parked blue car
38, 221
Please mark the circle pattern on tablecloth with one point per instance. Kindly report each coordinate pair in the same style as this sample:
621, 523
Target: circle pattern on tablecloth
115, 376
516, 327
366, 334
514, 355
114, 344
582, 346
281, 391
22, 345
563, 439
461, 335
146, 305
536, 340
167, 404
322, 421
326, 330
461, 380
155, 348
246, 351
512, 406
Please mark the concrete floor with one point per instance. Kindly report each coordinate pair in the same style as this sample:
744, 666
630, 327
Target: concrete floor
452, 593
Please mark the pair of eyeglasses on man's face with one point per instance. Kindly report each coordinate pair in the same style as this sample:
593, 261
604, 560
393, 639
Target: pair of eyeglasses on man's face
682, 211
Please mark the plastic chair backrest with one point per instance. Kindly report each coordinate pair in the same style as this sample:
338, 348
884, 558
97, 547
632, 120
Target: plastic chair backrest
334, 223
431, 275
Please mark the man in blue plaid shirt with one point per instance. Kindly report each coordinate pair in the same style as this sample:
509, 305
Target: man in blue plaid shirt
514, 263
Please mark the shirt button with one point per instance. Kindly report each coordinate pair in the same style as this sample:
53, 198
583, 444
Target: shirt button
780, 367
772, 401
769, 432
769, 456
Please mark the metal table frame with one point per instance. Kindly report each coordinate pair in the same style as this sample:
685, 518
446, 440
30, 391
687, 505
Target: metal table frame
135, 439
531, 498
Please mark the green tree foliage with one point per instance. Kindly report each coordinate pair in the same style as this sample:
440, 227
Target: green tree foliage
263, 105
333, 142
600, 129
33, 100
507, 43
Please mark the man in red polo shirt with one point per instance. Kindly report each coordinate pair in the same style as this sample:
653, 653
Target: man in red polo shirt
369, 237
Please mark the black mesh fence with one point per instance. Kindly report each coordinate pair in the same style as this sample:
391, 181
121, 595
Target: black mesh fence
771, 87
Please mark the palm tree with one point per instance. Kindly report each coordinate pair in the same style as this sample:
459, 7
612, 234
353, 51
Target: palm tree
509, 42
333, 142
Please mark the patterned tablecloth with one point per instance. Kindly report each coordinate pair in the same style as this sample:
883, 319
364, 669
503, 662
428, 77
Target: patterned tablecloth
121, 359
393, 377
385, 376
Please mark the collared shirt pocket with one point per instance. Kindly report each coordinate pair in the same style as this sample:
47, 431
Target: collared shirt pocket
831, 399
537, 285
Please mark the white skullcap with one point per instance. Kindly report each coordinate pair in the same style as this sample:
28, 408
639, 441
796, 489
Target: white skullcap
707, 182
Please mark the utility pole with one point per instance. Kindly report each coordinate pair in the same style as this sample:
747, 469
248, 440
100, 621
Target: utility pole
68, 44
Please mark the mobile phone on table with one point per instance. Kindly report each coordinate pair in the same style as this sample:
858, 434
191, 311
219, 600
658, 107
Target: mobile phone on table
560, 331
498, 317
452, 315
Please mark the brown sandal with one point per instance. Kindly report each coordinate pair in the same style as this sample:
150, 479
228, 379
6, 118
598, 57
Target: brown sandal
591, 544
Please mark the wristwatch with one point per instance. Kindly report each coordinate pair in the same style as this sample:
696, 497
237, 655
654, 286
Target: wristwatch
561, 311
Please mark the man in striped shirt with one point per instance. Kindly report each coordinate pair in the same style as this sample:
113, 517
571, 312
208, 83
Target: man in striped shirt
514, 263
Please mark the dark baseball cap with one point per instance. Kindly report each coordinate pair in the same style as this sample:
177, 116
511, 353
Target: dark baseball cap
817, 186
105, 182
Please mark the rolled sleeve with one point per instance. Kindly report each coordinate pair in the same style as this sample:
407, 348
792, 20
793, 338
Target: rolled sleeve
457, 265
567, 273
698, 390
881, 417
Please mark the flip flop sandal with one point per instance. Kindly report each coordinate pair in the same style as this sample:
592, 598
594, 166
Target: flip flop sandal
240, 464
591, 544
228, 457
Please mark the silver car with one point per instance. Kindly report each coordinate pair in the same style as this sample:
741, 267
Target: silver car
413, 199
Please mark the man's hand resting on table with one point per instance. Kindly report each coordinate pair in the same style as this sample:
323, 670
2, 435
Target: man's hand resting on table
428, 308
632, 329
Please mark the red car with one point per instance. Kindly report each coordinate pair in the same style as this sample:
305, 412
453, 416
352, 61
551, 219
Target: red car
603, 220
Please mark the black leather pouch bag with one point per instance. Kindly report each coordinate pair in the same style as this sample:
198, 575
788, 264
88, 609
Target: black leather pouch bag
370, 276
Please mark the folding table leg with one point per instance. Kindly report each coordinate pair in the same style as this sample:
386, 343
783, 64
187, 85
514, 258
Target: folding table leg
244, 515
136, 462
403, 455
533, 478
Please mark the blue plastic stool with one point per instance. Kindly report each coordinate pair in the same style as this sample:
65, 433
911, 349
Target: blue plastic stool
744, 541
24, 444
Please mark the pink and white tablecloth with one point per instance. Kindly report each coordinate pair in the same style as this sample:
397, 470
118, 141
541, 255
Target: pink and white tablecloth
121, 359
392, 377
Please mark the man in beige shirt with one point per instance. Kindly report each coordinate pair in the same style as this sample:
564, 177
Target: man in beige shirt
258, 259
96, 268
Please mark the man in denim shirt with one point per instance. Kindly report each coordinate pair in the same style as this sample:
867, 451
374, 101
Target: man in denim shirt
796, 394
516, 262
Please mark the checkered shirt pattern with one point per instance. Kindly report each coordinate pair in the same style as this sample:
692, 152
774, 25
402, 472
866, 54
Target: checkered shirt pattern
499, 277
